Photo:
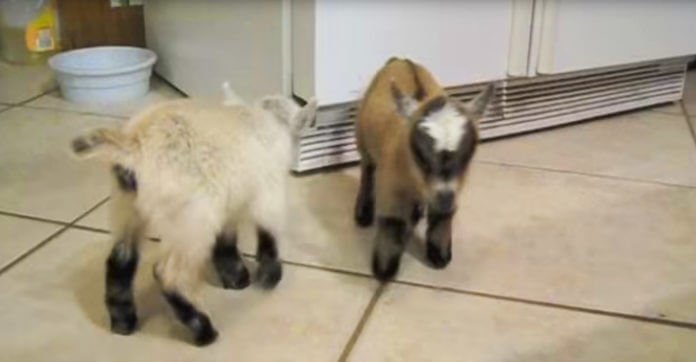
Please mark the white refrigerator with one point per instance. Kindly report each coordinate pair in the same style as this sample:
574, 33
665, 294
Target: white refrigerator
554, 61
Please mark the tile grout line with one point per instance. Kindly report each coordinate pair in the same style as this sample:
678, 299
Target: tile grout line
593, 175
325, 268
688, 121
34, 218
51, 237
30, 99
348, 348
634, 317
83, 113
668, 322
91, 228
54, 222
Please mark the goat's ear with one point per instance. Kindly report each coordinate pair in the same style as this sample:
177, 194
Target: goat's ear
405, 105
307, 115
229, 96
280, 106
476, 107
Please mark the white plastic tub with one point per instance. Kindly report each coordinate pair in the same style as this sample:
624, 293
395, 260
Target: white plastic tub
101, 75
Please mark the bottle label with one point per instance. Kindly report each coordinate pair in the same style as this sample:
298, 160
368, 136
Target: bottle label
40, 34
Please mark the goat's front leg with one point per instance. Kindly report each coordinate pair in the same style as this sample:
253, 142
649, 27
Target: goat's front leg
228, 263
393, 224
439, 238
268, 211
389, 246
270, 270
365, 201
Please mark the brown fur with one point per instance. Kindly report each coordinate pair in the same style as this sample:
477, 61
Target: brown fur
409, 159
383, 133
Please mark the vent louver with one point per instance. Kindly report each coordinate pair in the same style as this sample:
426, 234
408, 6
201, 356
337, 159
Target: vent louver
521, 105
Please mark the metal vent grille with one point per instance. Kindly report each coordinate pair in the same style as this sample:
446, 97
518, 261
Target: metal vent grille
521, 105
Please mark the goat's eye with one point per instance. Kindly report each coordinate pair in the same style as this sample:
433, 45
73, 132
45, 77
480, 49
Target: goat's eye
422, 146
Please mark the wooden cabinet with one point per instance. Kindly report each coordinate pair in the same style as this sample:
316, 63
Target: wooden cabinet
86, 23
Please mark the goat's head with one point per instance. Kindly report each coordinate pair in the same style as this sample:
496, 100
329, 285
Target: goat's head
288, 111
442, 140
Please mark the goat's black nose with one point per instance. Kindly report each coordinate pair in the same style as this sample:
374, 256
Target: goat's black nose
444, 202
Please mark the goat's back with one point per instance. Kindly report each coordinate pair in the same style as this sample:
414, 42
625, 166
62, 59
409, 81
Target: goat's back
187, 148
379, 126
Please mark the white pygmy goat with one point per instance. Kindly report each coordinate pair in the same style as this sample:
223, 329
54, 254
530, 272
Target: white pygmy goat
192, 172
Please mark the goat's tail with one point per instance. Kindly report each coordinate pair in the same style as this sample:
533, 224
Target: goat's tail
103, 143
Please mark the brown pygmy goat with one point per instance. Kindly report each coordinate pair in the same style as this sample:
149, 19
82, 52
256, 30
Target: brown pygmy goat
416, 144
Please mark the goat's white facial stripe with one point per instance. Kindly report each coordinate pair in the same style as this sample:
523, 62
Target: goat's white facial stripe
446, 127
441, 185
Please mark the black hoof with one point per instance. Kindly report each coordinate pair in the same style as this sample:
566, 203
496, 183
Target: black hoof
204, 333
238, 279
364, 214
385, 271
437, 257
269, 274
125, 325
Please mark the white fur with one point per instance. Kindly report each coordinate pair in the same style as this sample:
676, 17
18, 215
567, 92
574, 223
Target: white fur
446, 127
444, 186
201, 170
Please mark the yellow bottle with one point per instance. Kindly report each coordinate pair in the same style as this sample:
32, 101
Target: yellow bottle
29, 32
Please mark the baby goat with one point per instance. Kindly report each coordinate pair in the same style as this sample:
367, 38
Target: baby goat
193, 171
416, 145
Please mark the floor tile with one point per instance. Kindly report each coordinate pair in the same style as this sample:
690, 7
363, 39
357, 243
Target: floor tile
22, 82
643, 145
159, 91
564, 238
55, 298
570, 239
19, 235
575, 240
39, 176
414, 324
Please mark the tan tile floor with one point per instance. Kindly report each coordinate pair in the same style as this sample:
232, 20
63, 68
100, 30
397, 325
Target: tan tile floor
575, 244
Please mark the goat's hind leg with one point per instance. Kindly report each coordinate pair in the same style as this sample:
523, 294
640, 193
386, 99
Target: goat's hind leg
122, 262
189, 241
179, 279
